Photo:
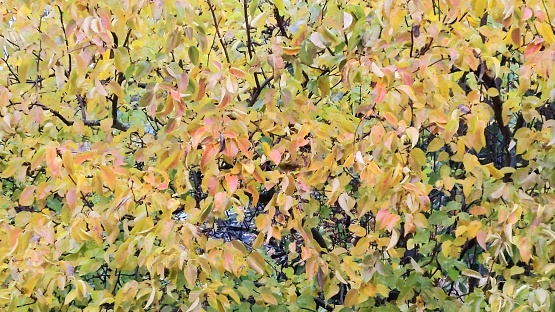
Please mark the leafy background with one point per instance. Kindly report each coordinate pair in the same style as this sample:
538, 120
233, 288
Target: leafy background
277, 155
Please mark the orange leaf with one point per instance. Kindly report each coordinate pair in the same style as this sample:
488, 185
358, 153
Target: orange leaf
71, 198
386, 219
237, 72
220, 202
232, 182
27, 197
275, 155
109, 176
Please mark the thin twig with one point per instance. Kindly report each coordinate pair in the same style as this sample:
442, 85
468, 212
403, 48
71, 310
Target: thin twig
218, 29
11, 70
65, 38
257, 92
38, 58
250, 48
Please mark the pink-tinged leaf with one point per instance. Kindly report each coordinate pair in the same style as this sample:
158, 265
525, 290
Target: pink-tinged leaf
175, 95
71, 198
386, 219
220, 202
391, 119
180, 109
183, 82
481, 239
377, 133
232, 183
525, 248
27, 197
229, 261
532, 48
477, 210
100, 88
526, 13
43, 190
224, 100
275, 156
82, 157
218, 65
213, 183
52, 162
244, 145
150, 178
237, 72
201, 89
209, 154
231, 150
276, 61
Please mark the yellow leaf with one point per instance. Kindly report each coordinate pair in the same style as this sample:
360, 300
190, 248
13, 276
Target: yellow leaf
413, 134
460, 230
269, 298
27, 197
256, 262
473, 228
408, 91
279, 5
109, 176
471, 273
10, 169
436, 144
479, 7
351, 299
546, 31
151, 298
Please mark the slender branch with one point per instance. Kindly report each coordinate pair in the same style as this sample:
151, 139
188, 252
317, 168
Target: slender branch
54, 112
127, 37
38, 58
11, 70
257, 92
280, 22
249, 40
65, 38
547, 14
321, 303
250, 48
117, 124
218, 29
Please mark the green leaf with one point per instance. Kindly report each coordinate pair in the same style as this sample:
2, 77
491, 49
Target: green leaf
193, 55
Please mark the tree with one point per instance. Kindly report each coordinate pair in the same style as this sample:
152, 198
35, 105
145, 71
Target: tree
274, 155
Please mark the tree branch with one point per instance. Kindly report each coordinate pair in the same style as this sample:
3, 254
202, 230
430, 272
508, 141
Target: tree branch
65, 38
250, 48
118, 125
11, 70
257, 92
218, 29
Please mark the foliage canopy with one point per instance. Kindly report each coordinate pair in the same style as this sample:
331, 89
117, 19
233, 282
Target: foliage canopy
221, 155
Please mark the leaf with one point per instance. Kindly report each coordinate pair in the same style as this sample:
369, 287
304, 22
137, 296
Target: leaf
108, 176
351, 299
386, 219
256, 262
194, 55
27, 197
10, 170
471, 273
279, 5
546, 31
347, 20
151, 298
